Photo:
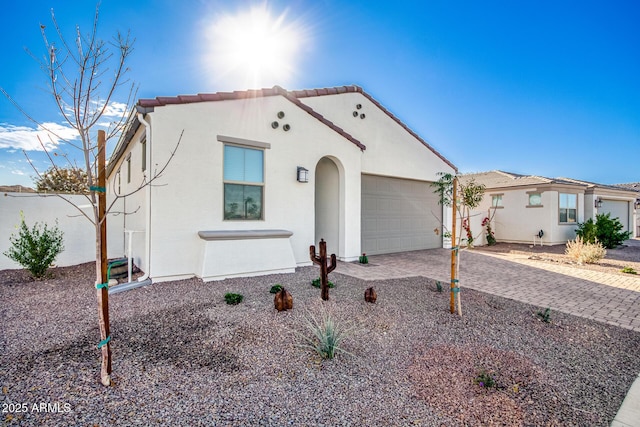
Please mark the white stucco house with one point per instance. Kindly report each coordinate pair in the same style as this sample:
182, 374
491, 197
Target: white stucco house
261, 175
524, 205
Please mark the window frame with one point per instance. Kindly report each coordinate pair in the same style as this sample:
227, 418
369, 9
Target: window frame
128, 168
244, 184
534, 193
568, 209
497, 197
143, 145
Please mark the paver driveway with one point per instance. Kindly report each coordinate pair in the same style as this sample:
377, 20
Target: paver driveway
605, 297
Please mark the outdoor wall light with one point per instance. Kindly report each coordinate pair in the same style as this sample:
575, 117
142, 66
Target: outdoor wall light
598, 203
637, 204
303, 174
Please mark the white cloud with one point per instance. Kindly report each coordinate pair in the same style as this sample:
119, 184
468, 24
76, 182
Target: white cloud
26, 138
18, 172
115, 109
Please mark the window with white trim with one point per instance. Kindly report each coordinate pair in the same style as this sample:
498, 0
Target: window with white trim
496, 201
243, 183
568, 208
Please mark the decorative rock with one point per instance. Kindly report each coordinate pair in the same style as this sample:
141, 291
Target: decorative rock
283, 300
370, 295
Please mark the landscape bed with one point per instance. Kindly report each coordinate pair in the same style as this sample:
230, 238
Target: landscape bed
182, 356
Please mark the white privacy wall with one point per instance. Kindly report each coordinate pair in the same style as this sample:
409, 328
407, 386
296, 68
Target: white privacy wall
79, 233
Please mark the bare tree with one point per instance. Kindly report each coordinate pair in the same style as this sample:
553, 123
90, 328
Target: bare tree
85, 75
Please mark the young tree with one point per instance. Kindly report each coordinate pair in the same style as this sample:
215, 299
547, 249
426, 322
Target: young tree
85, 75
463, 196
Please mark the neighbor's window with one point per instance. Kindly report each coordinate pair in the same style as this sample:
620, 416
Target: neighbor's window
243, 183
535, 199
129, 168
143, 145
496, 200
568, 207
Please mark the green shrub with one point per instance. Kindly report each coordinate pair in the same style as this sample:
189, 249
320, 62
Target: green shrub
629, 270
606, 230
485, 379
35, 249
233, 299
584, 252
545, 315
363, 259
316, 283
275, 289
327, 336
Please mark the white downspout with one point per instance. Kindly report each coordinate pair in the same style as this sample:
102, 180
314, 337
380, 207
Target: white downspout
147, 243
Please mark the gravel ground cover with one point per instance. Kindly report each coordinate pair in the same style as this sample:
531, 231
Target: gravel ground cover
181, 356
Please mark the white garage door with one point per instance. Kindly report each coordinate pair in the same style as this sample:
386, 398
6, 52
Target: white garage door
617, 209
399, 215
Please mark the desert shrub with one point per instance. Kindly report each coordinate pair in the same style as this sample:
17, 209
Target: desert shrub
485, 379
606, 230
233, 299
316, 283
584, 252
327, 333
275, 289
629, 270
363, 259
545, 315
35, 248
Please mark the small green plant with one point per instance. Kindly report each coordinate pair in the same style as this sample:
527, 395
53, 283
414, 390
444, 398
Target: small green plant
629, 270
585, 252
35, 249
545, 315
316, 283
363, 259
438, 286
485, 379
327, 333
233, 299
275, 289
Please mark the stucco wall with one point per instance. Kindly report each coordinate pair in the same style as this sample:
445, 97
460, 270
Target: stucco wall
391, 150
188, 198
517, 222
79, 233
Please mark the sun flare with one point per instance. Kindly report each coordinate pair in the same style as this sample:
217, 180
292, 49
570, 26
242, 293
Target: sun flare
253, 48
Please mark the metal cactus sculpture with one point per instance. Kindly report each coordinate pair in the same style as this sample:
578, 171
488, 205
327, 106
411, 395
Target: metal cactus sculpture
324, 268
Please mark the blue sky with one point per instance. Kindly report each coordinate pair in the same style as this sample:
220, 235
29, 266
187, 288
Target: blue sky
549, 88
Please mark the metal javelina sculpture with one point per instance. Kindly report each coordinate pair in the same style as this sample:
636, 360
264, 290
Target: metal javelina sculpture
283, 300
370, 295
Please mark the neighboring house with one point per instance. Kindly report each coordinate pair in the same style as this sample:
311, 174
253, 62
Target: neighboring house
634, 186
261, 175
524, 205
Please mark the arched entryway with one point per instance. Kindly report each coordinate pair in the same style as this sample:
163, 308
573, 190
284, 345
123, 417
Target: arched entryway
327, 204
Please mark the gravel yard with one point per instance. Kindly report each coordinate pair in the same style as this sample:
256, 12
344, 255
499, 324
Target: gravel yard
181, 356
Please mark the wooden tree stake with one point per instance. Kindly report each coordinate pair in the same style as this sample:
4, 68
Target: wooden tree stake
102, 291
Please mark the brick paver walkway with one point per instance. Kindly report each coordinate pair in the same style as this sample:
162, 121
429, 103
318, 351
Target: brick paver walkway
605, 297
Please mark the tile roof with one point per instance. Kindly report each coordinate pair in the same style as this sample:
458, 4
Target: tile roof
293, 96
501, 179
635, 186
497, 179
